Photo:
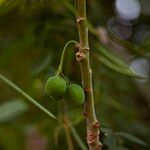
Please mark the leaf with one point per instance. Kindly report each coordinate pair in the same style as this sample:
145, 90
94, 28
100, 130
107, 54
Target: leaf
111, 142
68, 6
12, 109
106, 130
77, 138
119, 69
56, 133
78, 120
110, 56
115, 38
28, 97
118, 148
132, 138
75, 116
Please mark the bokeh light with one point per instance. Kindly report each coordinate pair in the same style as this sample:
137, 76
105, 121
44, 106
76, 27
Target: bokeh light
128, 9
123, 28
141, 67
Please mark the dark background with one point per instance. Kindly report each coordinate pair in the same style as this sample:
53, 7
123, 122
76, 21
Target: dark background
32, 36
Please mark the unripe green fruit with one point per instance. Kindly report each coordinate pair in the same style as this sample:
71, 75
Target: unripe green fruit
74, 93
55, 86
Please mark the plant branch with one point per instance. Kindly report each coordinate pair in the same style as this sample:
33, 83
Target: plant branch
66, 124
83, 57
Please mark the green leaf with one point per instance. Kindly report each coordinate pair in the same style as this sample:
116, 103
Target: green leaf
56, 133
12, 109
111, 142
118, 148
115, 38
113, 66
28, 97
77, 138
68, 6
103, 50
75, 115
132, 138
106, 130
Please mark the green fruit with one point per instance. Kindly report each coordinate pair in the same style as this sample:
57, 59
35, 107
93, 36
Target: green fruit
55, 86
74, 93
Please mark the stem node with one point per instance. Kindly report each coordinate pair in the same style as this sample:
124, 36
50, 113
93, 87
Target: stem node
88, 90
79, 19
80, 56
96, 124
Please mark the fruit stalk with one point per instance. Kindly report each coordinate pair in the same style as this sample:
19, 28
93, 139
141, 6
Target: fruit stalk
60, 68
66, 123
83, 57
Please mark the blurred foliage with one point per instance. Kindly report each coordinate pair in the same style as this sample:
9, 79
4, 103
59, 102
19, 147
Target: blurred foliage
32, 36
11, 109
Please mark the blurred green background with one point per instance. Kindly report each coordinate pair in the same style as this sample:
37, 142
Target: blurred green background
32, 36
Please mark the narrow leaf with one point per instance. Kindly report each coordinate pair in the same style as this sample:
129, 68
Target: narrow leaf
115, 38
56, 133
113, 66
20, 91
77, 138
132, 138
111, 142
110, 56
68, 6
